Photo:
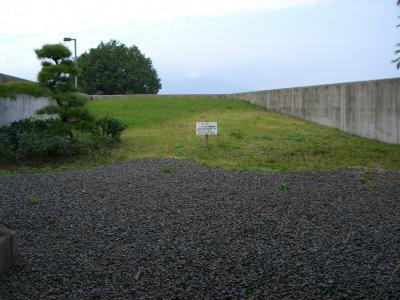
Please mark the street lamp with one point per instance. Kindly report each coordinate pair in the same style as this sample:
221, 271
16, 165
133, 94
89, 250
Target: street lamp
67, 39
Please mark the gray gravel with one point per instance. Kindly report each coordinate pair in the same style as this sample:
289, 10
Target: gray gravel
132, 230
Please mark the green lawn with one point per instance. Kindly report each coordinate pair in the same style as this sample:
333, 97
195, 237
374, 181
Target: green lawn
249, 138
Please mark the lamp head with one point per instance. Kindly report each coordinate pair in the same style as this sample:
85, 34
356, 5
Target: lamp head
67, 39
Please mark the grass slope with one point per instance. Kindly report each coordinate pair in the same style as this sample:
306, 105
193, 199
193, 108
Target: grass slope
249, 138
13, 88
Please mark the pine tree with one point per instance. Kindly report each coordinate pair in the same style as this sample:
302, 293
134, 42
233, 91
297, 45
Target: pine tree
57, 73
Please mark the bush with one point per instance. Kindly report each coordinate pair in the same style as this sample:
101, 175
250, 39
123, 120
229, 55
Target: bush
32, 139
41, 139
44, 144
110, 128
6, 150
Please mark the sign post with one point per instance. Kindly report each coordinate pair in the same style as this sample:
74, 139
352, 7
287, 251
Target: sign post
206, 129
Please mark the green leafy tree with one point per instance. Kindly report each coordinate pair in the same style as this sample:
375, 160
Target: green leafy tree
113, 68
57, 73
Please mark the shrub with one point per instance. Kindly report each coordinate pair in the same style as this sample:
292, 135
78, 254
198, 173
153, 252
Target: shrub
29, 139
71, 112
110, 127
41, 139
6, 150
34, 144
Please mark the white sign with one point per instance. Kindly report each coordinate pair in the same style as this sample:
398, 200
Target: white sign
206, 128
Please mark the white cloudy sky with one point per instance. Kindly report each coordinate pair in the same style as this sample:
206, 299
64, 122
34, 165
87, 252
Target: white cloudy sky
210, 46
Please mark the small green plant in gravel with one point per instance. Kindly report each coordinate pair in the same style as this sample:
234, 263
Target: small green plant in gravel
166, 169
33, 200
365, 179
282, 187
362, 179
372, 185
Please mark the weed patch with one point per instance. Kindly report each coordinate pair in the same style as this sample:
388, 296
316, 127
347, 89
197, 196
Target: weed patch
237, 134
33, 200
179, 146
366, 180
166, 169
282, 187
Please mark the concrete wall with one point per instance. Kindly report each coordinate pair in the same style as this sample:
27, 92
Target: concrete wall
8, 248
369, 108
99, 97
22, 107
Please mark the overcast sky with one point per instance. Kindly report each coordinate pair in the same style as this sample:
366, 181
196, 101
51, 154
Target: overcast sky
216, 46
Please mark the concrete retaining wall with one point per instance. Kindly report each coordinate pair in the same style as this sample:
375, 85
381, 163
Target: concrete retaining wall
22, 107
369, 109
8, 248
99, 97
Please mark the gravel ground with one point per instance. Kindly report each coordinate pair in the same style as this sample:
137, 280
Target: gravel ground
172, 229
